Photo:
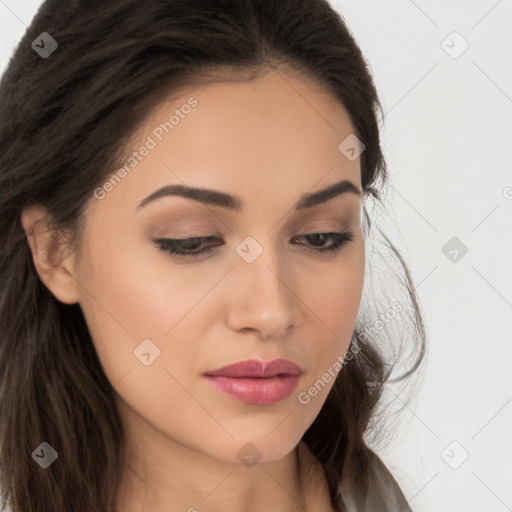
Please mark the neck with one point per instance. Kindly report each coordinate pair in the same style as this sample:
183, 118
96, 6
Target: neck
197, 483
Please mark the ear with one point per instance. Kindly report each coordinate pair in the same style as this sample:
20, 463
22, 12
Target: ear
54, 267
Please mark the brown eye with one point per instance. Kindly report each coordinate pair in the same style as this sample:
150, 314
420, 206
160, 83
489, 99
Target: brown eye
339, 240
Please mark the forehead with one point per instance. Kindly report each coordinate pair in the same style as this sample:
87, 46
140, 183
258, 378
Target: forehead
276, 135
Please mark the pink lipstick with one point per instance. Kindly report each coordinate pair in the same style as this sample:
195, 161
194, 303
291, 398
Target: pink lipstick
256, 382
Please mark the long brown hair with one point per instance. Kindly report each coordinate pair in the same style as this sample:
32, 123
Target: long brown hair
64, 121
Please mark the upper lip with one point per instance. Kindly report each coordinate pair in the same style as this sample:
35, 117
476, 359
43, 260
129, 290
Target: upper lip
256, 368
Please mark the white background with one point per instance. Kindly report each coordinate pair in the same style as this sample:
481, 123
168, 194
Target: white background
447, 137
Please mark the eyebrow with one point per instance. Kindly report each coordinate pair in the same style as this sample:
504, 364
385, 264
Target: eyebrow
224, 200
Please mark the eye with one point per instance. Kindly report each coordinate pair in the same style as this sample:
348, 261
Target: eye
338, 240
184, 246
188, 247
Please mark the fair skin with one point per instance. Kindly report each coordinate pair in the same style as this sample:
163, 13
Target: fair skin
267, 141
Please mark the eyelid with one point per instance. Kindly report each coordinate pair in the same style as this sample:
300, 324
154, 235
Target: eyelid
330, 217
170, 224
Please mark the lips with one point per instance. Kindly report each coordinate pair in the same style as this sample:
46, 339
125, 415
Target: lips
256, 382
257, 369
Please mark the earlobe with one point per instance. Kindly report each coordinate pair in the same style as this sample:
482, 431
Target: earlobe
53, 266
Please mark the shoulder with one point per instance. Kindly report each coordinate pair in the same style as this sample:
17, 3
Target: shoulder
384, 493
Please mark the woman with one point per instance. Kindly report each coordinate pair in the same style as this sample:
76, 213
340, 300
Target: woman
183, 187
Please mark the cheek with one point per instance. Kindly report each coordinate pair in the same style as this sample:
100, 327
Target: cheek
132, 297
157, 314
334, 299
335, 295
337, 301
335, 307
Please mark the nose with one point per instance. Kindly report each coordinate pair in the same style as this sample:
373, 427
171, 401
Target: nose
263, 299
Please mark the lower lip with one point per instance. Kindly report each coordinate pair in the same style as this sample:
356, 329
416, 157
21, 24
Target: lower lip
259, 391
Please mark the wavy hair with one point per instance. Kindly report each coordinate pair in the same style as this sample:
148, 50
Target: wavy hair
64, 123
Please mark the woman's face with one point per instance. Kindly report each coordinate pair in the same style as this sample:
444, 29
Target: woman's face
160, 321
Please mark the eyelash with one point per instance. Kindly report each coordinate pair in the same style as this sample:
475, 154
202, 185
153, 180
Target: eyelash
172, 245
